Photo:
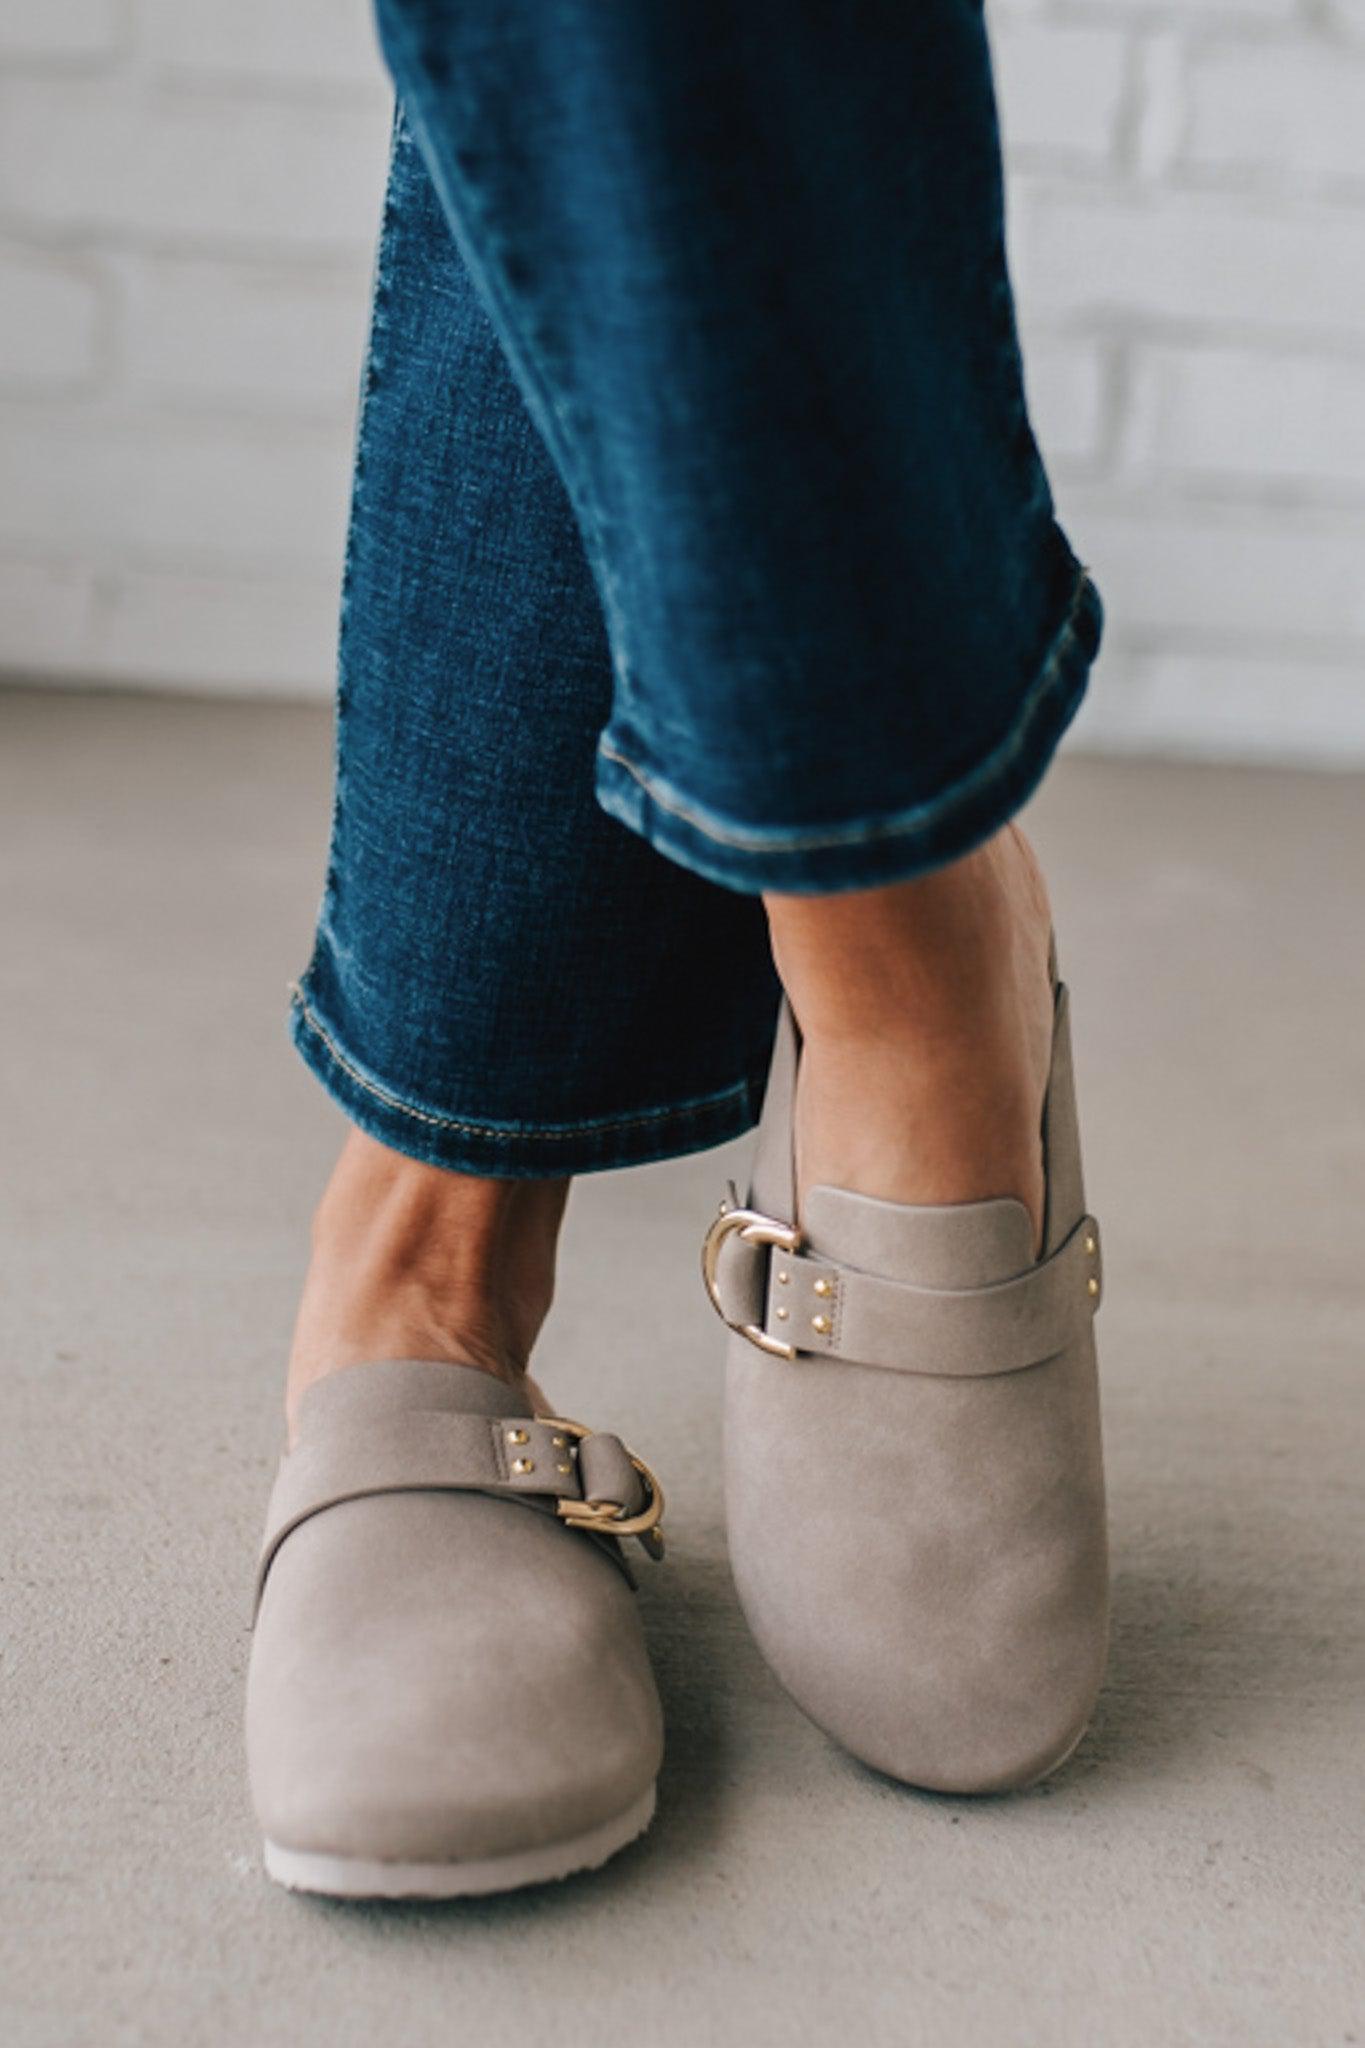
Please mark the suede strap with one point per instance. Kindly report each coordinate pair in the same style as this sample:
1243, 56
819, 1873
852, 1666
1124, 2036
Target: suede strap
834, 1311
517, 1457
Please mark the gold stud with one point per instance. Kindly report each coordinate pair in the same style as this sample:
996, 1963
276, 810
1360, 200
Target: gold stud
783, 1277
523, 1464
824, 1287
782, 1315
558, 1442
564, 1468
820, 1323
1091, 1246
517, 1436
1092, 1286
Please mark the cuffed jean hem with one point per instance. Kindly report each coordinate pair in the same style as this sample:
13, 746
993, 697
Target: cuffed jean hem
865, 853
499, 1149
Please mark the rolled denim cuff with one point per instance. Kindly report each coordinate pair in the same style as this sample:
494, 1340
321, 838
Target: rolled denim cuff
870, 851
628, 1134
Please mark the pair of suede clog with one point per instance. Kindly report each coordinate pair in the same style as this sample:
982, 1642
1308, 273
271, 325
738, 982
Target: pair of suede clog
449, 1691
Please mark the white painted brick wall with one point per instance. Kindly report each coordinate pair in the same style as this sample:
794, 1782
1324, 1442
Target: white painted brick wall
188, 196
1265, 118
1232, 418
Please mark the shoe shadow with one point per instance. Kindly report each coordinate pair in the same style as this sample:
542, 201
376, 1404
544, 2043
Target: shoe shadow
1223, 1639
1219, 1646
1217, 1649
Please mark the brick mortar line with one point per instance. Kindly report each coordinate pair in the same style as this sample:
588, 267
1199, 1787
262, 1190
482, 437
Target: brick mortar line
139, 415
317, 263
138, 77
95, 238
1035, 176
99, 560
1152, 334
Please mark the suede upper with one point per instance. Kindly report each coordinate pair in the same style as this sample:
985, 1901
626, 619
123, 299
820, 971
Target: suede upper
921, 1551
439, 1673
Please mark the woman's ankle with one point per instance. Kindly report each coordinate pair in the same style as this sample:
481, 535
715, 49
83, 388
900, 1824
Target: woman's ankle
925, 1011
411, 1261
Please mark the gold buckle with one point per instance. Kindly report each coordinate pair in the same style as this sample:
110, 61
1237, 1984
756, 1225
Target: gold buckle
754, 1228
606, 1515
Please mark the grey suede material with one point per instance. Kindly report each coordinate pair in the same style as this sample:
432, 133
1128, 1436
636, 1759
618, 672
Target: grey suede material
922, 1556
401, 1449
833, 1307
607, 1474
440, 1675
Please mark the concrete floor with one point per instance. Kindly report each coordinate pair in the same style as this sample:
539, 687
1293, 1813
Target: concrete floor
1194, 1876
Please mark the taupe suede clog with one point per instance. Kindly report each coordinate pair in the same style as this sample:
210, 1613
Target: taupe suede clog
914, 1483
449, 1690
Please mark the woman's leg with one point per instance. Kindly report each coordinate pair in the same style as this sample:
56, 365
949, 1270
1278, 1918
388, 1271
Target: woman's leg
925, 1011
449, 1690
747, 262
748, 266
507, 986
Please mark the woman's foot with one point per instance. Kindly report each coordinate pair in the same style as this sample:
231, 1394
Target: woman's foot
926, 1018
412, 1261
914, 1482
436, 1564
422, 1596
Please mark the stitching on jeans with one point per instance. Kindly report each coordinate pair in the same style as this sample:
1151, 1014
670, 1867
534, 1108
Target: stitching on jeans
508, 1132
898, 825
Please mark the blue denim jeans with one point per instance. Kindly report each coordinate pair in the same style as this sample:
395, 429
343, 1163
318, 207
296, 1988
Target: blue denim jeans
700, 547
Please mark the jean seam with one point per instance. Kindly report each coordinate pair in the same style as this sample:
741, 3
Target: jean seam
377, 328
897, 825
512, 1133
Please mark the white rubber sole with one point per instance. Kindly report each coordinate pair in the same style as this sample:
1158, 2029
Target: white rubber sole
357, 1877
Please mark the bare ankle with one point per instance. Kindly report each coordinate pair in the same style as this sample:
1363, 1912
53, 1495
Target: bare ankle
918, 955
926, 1014
412, 1261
